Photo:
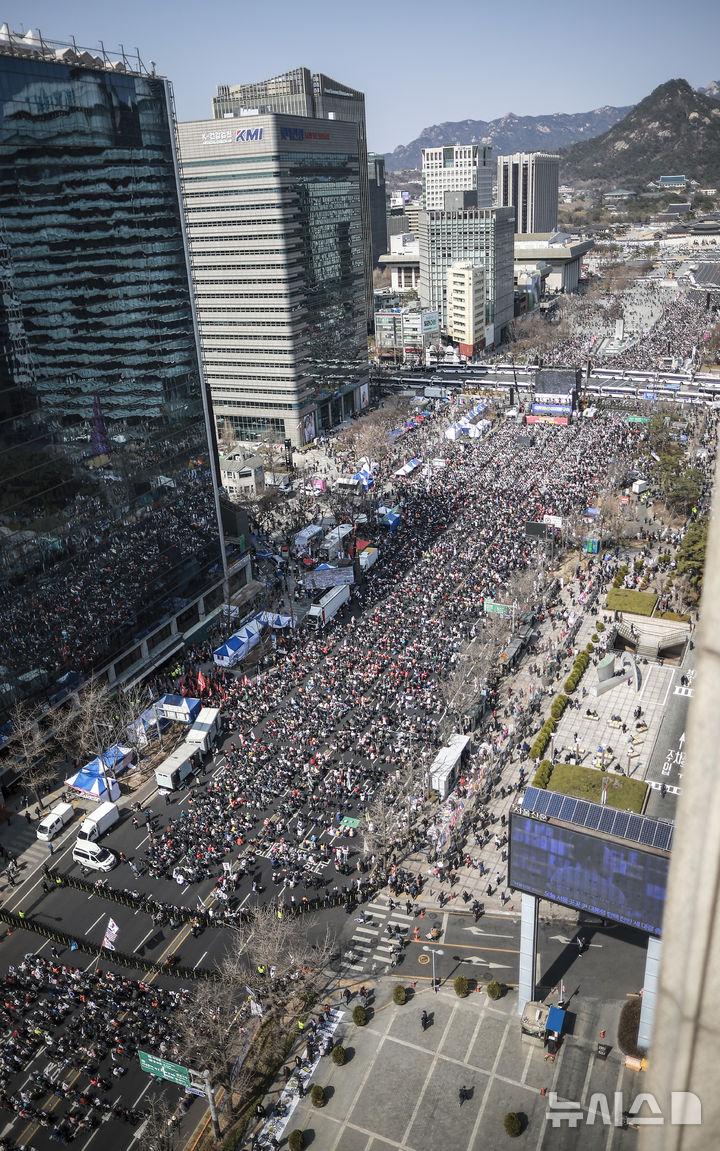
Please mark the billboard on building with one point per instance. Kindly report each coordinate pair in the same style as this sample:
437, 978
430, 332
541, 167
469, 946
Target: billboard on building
611, 878
430, 323
309, 427
364, 395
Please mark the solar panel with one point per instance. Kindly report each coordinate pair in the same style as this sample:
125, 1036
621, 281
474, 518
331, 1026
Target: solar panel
567, 809
598, 817
648, 831
634, 827
555, 804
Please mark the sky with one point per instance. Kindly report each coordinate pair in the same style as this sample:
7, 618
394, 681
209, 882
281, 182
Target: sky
419, 63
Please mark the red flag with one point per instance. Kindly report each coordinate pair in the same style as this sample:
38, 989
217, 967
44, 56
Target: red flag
202, 682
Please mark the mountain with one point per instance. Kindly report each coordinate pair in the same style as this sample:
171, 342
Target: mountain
509, 134
712, 90
673, 130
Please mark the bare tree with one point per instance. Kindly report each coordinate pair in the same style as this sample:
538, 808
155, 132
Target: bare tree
159, 1129
210, 1041
29, 747
95, 719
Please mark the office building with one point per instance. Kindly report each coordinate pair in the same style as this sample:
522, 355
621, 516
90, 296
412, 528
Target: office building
466, 307
403, 260
272, 206
465, 234
304, 93
378, 207
403, 334
528, 182
456, 168
109, 525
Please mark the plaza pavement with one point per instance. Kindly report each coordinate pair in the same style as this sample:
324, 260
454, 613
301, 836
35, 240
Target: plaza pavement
398, 1090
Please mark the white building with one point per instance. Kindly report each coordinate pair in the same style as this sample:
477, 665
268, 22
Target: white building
403, 260
528, 182
242, 475
456, 168
404, 333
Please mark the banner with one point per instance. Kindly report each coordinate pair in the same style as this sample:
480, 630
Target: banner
111, 933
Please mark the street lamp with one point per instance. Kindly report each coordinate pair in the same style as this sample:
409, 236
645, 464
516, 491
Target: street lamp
434, 951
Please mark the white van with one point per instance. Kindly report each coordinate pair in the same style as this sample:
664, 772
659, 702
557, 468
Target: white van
91, 855
55, 821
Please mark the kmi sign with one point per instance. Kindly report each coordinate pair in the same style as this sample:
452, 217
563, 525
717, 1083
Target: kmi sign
228, 135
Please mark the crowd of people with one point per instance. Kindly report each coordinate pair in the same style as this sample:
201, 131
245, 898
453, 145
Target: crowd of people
315, 734
68, 1038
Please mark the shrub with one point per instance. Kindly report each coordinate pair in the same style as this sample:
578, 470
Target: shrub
595, 637
558, 705
338, 1055
296, 1140
317, 1096
494, 989
543, 773
512, 1123
399, 994
461, 986
233, 1141
600, 626
590, 648
359, 1015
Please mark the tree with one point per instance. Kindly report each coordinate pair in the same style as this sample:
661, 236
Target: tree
691, 557
29, 747
275, 951
684, 490
210, 1038
158, 1132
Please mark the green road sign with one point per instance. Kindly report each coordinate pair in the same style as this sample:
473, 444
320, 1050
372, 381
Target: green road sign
496, 608
638, 419
348, 821
164, 1069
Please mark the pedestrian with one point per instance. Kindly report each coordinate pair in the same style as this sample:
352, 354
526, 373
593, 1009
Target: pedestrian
424, 1020
462, 1095
50, 848
347, 994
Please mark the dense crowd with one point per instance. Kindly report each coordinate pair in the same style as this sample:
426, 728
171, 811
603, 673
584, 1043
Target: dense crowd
337, 713
68, 1038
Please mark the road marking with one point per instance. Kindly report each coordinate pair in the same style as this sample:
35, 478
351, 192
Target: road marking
196, 965
486, 963
667, 693
479, 931
646, 680
686, 691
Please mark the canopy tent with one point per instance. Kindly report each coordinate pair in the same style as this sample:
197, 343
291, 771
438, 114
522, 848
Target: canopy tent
94, 785
180, 708
147, 726
474, 432
407, 468
272, 619
115, 760
239, 644
391, 519
453, 432
365, 477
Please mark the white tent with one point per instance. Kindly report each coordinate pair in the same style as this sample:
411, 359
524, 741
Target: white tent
453, 432
238, 645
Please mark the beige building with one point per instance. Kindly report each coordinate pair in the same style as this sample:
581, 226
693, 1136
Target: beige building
466, 307
555, 256
242, 475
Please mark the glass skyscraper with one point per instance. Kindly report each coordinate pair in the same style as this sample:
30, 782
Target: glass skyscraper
109, 529
273, 216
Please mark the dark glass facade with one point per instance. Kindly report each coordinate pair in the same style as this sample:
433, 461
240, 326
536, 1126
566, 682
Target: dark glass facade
107, 521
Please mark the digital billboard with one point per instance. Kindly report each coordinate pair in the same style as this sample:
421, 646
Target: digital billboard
605, 877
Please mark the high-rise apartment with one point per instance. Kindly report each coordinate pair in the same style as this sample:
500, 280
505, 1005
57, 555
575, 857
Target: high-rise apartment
109, 524
528, 182
464, 234
305, 93
456, 168
272, 206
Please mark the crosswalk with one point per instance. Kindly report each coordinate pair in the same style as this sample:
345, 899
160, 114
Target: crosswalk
686, 691
370, 944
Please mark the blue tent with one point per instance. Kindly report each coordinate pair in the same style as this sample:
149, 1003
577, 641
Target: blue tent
115, 760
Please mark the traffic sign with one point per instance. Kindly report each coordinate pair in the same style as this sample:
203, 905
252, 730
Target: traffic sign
164, 1069
496, 608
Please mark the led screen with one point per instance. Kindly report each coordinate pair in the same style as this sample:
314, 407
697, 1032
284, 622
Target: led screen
608, 878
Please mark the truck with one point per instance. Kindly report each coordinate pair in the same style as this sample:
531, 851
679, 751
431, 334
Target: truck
334, 543
640, 486
206, 728
367, 557
53, 823
327, 608
98, 822
180, 764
